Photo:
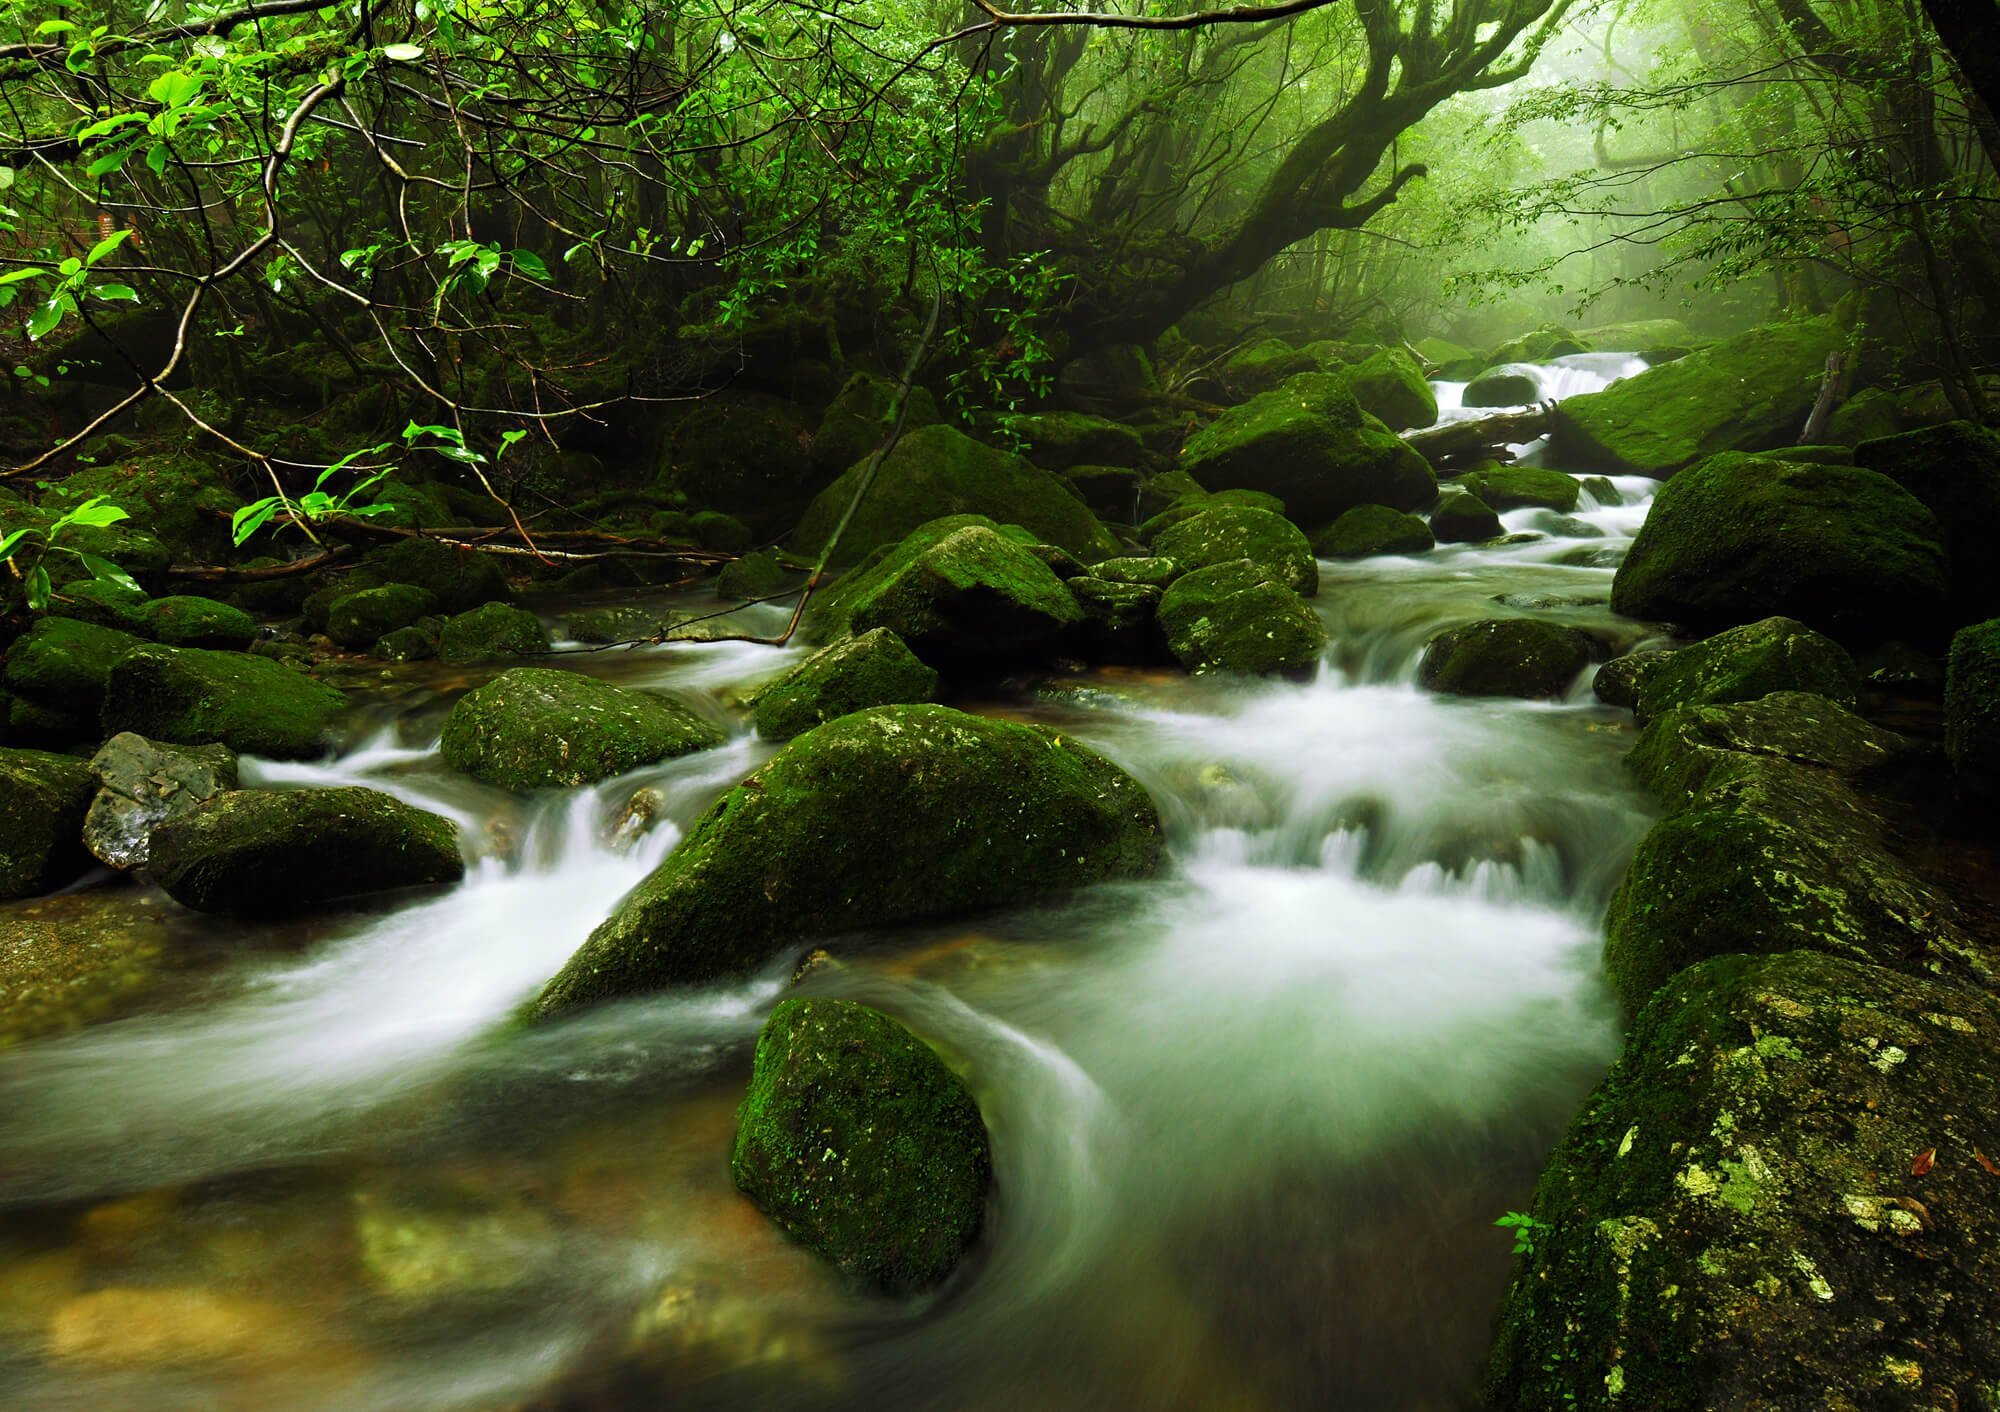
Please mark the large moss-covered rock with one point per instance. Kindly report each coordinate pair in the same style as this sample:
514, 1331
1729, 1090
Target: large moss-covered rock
1693, 746
1237, 617
538, 728
1261, 366
1390, 386
875, 669
267, 852
105, 602
1739, 538
192, 696
1463, 518
1225, 533
620, 624
491, 633
1548, 342
1742, 664
746, 453
859, 418
1505, 657
1748, 393
63, 664
862, 1145
1509, 385
189, 620
1955, 470
759, 575
938, 471
889, 815
459, 579
1972, 710
1522, 488
1781, 1197
1649, 338
1310, 444
41, 823
1056, 441
358, 619
1368, 530
182, 502
1200, 502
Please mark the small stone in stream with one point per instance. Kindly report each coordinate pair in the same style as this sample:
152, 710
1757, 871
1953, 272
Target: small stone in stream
875, 668
1591, 556
41, 824
491, 633
1463, 518
1601, 489
1236, 617
605, 625
1522, 487
642, 812
1568, 527
539, 728
266, 852
1368, 530
415, 643
360, 618
422, 1238
187, 620
145, 783
859, 1142
1505, 657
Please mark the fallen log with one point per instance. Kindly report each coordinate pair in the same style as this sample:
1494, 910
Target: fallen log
1483, 437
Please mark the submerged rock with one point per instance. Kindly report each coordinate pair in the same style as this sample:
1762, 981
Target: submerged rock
875, 669
1742, 664
268, 853
1237, 617
1780, 1197
1463, 518
442, 1238
862, 1145
1228, 532
71, 961
889, 815
491, 633
539, 728
193, 696
1367, 530
1505, 657
1738, 538
41, 822
1972, 710
145, 783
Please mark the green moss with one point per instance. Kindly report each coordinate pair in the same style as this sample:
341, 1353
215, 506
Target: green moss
723, 533
1152, 570
1234, 617
1743, 664
64, 664
970, 596
1220, 534
192, 696
104, 602
1116, 610
1867, 415
1739, 538
874, 669
1505, 657
761, 575
1056, 441
890, 815
1645, 337
492, 633
1391, 387
859, 418
358, 619
416, 643
257, 852
1263, 365
862, 1145
1954, 470
41, 826
938, 471
459, 579
1367, 530
188, 620
1523, 487
1692, 746
1463, 518
625, 624
536, 728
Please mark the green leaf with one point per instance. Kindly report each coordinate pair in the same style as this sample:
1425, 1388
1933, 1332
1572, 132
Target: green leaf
117, 292
54, 27
37, 588
105, 570
108, 163
107, 245
47, 315
110, 124
16, 276
530, 264
251, 518
9, 542
94, 513
156, 158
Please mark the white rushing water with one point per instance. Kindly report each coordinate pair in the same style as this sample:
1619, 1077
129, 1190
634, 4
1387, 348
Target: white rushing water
1252, 1121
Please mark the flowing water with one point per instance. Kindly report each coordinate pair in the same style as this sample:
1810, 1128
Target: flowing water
1252, 1121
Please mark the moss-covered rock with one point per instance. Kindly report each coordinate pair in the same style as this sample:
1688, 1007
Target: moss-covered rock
1601, 489
858, 420
537, 728
358, 619
1150, 569
491, 633
189, 620
1463, 518
1743, 664
1972, 710
1390, 386
747, 454
1866, 416
759, 575
890, 815
41, 825
1200, 502
1739, 538
193, 696
1119, 614
862, 1145
1745, 394
1954, 470
938, 471
416, 643
1657, 339
1690, 747
1368, 530
725, 534
1166, 489
63, 664
1056, 441
267, 852
182, 502
1224, 533
1262, 365
618, 624
459, 579
105, 602
1523, 488
1111, 492
1779, 1198
1548, 342
1509, 385
1505, 657
1309, 443
875, 669
1235, 617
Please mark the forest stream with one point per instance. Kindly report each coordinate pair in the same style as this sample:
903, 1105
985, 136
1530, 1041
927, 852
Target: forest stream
1252, 1121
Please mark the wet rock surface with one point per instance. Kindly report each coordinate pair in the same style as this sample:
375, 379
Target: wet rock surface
143, 784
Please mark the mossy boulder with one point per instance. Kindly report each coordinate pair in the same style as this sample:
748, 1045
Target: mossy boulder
491, 633
1166, 489
1523, 488
538, 728
1739, 538
724, 533
194, 696
1226, 533
1869, 414
1262, 365
1200, 502
1686, 749
1120, 615
1954, 470
1743, 664
1463, 518
1151, 569
459, 579
358, 619
745, 453
1236, 617
1505, 657
862, 1144
1056, 441
189, 620
41, 825
1972, 710
938, 471
105, 602
1778, 1198
618, 624
416, 643
874, 669
1656, 339
268, 852
859, 418
182, 502
1748, 393
759, 575
1310, 444
890, 815
1389, 384
1548, 342
1369, 530
64, 664
1509, 385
